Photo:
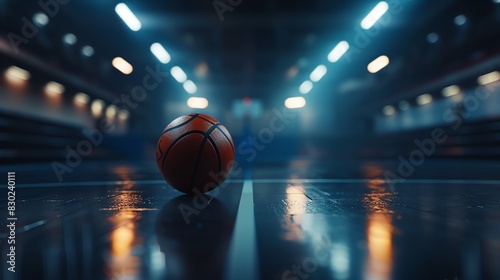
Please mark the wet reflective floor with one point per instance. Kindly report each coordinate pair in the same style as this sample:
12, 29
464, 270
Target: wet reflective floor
288, 220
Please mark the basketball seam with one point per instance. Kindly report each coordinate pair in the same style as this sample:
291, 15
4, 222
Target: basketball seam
182, 124
197, 162
175, 142
227, 138
217, 152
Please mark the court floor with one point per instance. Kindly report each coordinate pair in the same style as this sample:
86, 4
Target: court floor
282, 220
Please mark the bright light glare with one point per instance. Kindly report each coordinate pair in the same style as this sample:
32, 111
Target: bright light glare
123, 114
450, 91
378, 64
318, 73
128, 17
306, 87
197, 102
178, 74
40, 19
81, 98
111, 111
88, 51
190, 87
389, 110
18, 73
424, 99
374, 15
70, 39
460, 20
337, 52
122, 65
53, 88
295, 102
96, 107
160, 52
489, 78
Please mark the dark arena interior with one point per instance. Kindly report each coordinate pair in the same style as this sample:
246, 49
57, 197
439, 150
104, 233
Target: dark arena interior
363, 139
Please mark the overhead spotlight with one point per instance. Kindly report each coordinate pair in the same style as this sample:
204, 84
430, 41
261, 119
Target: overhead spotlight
40, 19
496, 1
318, 73
337, 52
190, 87
460, 20
88, 51
197, 102
389, 110
128, 17
123, 114
450, 91
424, 99
489, 78
81, 98
306, 87
432, 37
295, 102
122, 65
380, 9
96, 107
70, 39
160, 52
404, 105
178, 74
18, 73
378, 64
54, 89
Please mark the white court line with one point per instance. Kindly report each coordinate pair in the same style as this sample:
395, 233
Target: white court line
263, 181
242, 256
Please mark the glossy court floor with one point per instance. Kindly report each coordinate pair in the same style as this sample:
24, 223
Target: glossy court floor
285, 220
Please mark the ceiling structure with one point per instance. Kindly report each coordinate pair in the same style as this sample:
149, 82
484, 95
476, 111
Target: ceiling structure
263, 49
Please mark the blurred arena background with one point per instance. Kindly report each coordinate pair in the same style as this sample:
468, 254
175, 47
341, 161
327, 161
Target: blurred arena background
114, 74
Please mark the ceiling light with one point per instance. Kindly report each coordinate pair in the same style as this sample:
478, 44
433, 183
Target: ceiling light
375, 15
306, 87
160, 52
424, 99
337, 52
122, 65
295, 102
318, 73
128, 17
178, 74
197, 102
190, 87
378, 64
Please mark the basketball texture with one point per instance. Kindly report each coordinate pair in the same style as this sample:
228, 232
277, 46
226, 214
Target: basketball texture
195, 153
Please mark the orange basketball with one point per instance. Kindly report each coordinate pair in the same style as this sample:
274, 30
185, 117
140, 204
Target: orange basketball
195, 153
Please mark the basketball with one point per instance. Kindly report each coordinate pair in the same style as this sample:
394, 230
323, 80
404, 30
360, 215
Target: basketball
195, 153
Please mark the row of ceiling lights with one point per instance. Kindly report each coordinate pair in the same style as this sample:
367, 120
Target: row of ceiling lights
123, 65
161, 54
449, 91
337, 52
19, 76
373, 67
